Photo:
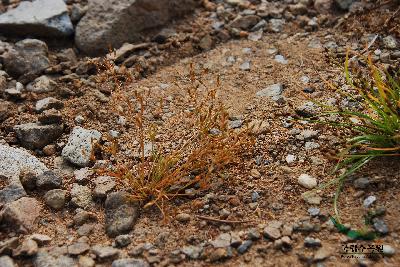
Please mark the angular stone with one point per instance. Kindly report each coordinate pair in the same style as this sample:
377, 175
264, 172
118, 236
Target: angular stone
81, 196
28, 59
55, 198
105, 252
41, 239
42, 84
48, 103
11, 192
43, 18
307, 181
118, 21
79, 148
48, 180
104, 184
21, 214
35, 136
121, 213
44, 259
271, 91
272, 232
78, 248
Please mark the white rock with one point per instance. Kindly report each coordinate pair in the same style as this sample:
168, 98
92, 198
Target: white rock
80, 145
15, 160
307, 181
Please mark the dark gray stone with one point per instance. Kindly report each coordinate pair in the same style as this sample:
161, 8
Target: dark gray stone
11, 192
121, 213
36, 136
48, 180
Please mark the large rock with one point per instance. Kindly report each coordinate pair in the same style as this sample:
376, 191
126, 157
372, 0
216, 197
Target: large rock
79, 148
44, 259
42, 18
15, 160
114, 22
35, 136
11, 193
121, 213
27, 60
21, 214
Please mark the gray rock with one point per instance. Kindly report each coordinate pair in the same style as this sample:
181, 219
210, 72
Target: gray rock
380, 226
245, 22
276, 25
44, 259
121, 213
104, 184
6, 261
193, 252
36, 136
78, 248
11, 192
43, 18
235, 124
55, 198
369, 201
129, 262
245, 66
271, 91
361, 183
79, 147
85, 230
118, 21
42, 84
77, 12
48, 103
344, 4
223, 240
41, 239
253, 234
123, 241
48, 180
21, 214
272, 232
390, 42
281, 59
81, 196
104, 252
245, 246
27, 60
83, 216
313, 211
13, 161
